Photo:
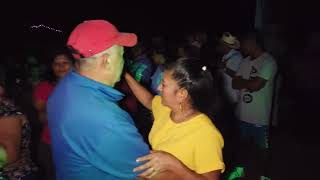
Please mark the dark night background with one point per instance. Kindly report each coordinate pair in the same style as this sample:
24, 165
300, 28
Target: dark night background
299, 19
149, 17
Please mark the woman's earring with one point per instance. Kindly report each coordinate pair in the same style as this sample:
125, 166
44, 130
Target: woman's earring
180, 107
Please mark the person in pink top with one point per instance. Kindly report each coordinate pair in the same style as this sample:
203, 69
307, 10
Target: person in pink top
61, 64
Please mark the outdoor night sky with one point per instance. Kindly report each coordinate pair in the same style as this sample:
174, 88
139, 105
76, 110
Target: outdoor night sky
149, 17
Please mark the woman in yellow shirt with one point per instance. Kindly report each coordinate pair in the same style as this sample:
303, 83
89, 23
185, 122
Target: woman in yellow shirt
183, 138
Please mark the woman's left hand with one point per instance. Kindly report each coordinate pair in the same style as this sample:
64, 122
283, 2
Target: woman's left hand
156, 162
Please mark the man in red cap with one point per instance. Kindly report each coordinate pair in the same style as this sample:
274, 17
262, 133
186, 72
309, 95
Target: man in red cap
92, 137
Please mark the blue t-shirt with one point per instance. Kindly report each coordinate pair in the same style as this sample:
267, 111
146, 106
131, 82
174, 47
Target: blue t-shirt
92, 137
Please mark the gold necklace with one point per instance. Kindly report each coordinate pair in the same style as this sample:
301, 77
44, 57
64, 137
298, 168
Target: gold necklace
186, 116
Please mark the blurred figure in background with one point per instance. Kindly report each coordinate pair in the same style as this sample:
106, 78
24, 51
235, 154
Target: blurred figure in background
188, 51
159, 59
230, 59
15, 137
255, 80
61, 64
229, 64
142, 65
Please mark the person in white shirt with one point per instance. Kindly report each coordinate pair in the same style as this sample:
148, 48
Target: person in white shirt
229, 64
255, 80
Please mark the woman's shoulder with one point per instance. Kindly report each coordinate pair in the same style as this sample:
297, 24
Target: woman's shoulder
156, 100
156, 103
206, 126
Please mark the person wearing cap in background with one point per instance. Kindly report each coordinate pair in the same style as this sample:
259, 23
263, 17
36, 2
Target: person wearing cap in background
92, 137
255, 80
230, 62
228, 65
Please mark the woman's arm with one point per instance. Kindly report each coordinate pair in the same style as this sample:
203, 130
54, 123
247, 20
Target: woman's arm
10, 136
159, 162
142, 94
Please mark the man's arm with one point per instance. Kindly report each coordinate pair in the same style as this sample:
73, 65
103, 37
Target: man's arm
188, 174
265, 74
183, 174
168, 175
230, 72
162, 165
254, 84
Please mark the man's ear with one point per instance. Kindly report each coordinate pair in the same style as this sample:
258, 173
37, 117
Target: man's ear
104, 61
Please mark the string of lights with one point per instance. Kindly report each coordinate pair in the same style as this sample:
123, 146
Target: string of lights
45, 27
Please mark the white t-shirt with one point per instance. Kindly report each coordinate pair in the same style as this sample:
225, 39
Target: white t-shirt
233, 60
255, 107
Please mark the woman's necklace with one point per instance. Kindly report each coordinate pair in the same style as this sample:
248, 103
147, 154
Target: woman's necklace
184, 115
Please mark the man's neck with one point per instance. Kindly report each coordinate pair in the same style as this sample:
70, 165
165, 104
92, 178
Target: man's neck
96, 77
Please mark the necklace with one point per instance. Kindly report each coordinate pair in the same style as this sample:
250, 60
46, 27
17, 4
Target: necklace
185, 116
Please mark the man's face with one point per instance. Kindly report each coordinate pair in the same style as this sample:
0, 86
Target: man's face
247, 46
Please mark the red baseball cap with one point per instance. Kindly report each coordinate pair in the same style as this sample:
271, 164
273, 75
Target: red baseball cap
94, 36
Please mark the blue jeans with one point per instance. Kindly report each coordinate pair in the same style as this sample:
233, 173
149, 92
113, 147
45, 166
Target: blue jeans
258, 134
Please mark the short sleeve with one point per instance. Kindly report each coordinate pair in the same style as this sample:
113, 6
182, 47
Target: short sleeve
156, 106
268, 69
208, 152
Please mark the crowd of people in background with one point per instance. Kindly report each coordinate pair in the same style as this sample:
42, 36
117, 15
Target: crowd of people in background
203, 105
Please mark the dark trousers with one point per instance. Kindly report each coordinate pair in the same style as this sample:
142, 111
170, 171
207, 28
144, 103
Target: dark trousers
45, 161
253, 150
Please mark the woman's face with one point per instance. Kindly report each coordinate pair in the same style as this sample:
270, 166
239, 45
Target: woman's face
169, 90
61, 65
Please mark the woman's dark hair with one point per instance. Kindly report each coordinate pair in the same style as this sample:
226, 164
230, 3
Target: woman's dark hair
62, 51
49, 75
196, 78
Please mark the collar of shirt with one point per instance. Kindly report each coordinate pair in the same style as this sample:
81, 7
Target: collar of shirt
106, 91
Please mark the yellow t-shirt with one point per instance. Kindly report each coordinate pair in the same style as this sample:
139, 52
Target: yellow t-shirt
196, 142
